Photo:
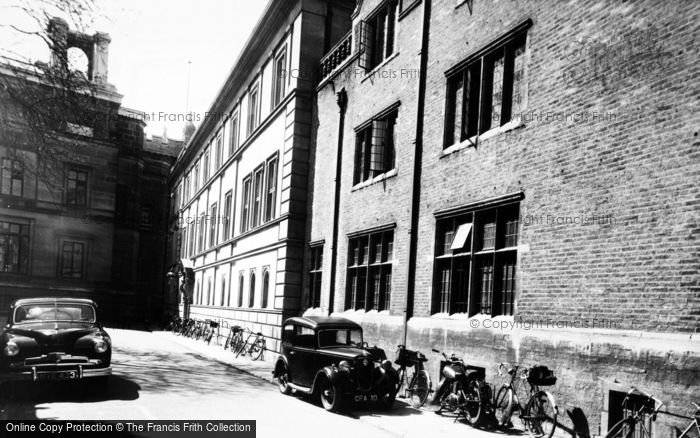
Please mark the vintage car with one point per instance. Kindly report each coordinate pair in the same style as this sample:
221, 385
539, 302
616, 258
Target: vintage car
54, 339
328, 357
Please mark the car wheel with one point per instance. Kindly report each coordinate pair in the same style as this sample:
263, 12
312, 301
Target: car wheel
331, 395
283, 381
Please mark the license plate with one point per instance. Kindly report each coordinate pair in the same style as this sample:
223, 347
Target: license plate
59, 375
362, 397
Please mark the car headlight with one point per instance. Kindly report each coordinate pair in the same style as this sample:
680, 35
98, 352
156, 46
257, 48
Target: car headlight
386, 364
11, 349
344, 365
101, 346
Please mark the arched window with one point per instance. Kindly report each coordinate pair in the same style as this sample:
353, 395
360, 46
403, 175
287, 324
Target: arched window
240, 290
77, 61
223, 290
209, 300
265, 288
251, 294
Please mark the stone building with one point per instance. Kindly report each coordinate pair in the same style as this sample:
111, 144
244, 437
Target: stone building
84, 196
240, 186
517, 182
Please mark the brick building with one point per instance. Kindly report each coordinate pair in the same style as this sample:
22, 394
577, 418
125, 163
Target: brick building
84, 196
517, 182
239, 187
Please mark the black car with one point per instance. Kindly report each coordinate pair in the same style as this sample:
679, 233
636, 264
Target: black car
54, 339
328, 357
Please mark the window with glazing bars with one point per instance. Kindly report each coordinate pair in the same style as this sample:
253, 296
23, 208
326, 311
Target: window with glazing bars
315, 275
213, 222
219, 152
226, 222
233, 145
205, 167
76, 187
280, 77
375, 148
202, 236
271, 189
487, 92
369, 272
245, 204
14, 247
475, 262
258, 181
377, 35
253, 108
11, 177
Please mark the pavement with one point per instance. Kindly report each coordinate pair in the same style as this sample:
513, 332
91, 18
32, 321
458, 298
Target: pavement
259, 368
401, 421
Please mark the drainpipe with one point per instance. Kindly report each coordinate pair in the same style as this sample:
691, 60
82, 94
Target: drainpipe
342, 101
417, 165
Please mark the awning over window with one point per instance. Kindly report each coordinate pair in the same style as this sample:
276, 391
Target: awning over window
461, 236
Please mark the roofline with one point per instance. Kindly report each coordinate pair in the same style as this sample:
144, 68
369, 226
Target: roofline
257, 37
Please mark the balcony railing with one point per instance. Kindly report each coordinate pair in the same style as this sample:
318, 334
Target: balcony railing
339, 53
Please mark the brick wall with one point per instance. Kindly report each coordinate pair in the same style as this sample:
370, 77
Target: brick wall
608, 132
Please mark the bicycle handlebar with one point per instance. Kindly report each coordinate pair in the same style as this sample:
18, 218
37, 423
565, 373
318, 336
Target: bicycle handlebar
647, 395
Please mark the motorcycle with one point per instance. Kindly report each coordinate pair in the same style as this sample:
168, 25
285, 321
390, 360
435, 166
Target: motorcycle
462, 389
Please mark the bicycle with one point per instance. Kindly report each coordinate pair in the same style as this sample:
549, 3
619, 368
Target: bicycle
212, 329
418, 386
539, 414
175, 324
253, 349
234, 340
633, 425
695, 422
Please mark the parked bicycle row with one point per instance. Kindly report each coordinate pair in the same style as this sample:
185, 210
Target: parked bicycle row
239, 340
463, 390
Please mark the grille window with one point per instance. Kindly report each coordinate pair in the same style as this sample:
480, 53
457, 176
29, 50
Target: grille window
475, 262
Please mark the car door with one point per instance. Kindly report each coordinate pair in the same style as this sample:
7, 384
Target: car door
301, 356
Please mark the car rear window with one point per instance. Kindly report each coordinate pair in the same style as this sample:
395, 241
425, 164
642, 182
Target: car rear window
61, 312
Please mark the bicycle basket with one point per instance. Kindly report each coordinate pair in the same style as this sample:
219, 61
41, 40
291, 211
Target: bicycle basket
541, 376
405, 357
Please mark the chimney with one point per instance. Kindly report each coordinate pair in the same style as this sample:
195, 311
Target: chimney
188, 131
100, 57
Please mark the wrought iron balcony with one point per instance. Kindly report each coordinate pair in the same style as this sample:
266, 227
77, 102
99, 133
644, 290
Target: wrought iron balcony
339, 53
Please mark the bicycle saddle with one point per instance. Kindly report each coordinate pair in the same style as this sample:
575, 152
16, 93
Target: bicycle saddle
259, 334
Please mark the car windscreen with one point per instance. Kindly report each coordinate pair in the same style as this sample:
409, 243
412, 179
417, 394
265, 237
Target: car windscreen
340, 338
60, 312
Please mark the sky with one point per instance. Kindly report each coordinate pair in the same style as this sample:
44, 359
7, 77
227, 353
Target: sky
152, 43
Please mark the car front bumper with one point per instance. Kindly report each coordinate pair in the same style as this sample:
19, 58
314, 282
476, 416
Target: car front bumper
55, 372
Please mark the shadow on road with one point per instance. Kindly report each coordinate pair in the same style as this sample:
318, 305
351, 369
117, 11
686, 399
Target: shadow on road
84, 391
355, 410
182, 372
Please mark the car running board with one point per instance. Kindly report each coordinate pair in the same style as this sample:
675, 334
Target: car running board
303, 389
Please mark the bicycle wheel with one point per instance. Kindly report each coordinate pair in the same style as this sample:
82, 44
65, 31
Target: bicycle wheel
622, 429
236, 344
419, 389
400, 383
256, 350
472, 405
503, 406
541, 415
